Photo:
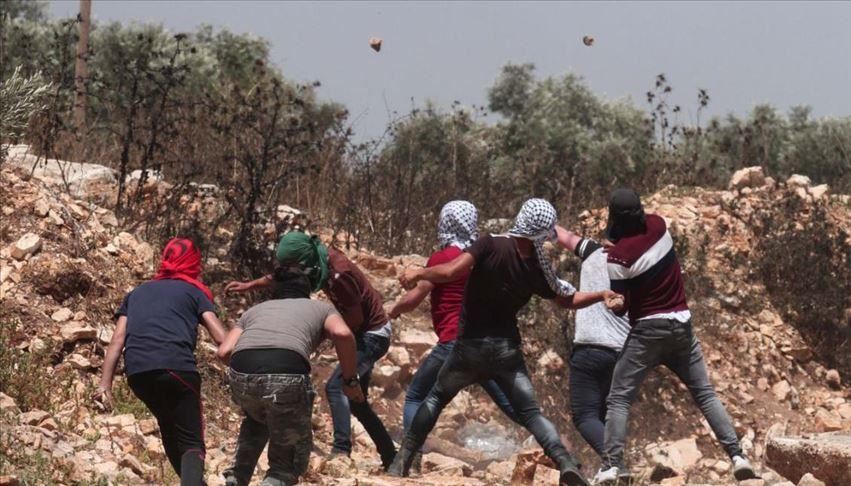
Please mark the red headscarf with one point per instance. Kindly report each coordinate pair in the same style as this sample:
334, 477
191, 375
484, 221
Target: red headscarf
182, 261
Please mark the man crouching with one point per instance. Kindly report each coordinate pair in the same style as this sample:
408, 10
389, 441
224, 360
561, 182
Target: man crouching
269, 375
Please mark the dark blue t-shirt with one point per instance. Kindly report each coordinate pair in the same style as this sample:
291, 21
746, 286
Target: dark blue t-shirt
162, 325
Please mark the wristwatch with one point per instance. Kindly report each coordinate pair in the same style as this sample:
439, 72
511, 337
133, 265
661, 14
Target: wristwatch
352, 382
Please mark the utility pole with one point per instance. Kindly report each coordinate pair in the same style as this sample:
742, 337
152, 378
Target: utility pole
81, 70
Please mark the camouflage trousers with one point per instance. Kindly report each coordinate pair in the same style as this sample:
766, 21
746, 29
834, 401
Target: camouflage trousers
277, 410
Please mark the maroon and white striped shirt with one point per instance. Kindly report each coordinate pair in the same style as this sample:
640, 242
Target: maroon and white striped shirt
645, 270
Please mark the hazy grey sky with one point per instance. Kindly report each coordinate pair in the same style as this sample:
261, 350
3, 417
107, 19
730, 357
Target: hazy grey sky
784, 53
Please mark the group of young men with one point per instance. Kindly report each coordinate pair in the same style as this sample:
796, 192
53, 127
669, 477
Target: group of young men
632, 316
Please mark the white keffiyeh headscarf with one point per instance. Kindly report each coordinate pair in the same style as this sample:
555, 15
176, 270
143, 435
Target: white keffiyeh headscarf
537, 222
458, 224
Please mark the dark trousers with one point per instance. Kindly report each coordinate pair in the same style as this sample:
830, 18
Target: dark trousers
174, 398
591, 370
476, 360
426, 376
278, 410
371, 348
671, 343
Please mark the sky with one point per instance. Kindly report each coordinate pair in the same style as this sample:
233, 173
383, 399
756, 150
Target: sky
744, 53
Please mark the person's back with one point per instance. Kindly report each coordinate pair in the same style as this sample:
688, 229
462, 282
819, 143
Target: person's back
162, 325
643, 266
280, 333
269, 376
500, 284
352, 293
156, 329
596, 324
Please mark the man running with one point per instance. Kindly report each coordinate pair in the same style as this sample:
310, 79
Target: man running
363, 310
456, 231
506, 271
157, 330
644, 268
269, 375
598, 338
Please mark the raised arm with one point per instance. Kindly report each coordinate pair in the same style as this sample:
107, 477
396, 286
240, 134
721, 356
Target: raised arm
567, 239
411, 299
260, 283
443, 273
339, 333
110, 361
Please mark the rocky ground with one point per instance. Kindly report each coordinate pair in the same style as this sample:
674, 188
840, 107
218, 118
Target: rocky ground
66, 262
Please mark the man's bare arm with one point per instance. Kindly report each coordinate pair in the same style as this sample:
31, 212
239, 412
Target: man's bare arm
411, 299
581, 300
446, 272
567, 239
260, 283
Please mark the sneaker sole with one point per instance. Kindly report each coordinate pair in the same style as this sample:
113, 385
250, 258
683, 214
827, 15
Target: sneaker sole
572, 478
745, 474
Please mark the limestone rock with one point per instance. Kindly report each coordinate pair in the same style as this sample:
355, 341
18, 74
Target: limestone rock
7, 404
826, 456
26, 245
417, 341
827, 421
833, 380
77, 331
10, 480
131, 462
781, 390
798, 180
435, 464
79, 361
399, 356
819, 191
41, 208
747, 177
810, 480
33, 417
550, 362
62, 315
679, 455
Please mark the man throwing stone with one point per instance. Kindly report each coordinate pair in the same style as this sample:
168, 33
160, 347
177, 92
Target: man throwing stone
644, 268
505, 271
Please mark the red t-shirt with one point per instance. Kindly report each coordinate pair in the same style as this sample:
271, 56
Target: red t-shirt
446, 298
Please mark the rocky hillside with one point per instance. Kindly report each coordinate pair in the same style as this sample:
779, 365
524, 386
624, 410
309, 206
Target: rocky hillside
66, 262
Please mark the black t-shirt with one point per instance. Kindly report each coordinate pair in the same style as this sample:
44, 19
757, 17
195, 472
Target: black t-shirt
500, 284
162, 325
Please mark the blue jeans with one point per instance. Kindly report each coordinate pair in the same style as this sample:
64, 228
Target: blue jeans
591, 370
426, 376
371, 348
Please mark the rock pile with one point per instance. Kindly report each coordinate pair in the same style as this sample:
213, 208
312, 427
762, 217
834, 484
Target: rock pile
65, 264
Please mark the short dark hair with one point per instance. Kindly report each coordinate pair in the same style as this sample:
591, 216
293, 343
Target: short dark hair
291, 282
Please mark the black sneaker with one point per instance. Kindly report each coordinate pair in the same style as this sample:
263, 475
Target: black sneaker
570, 476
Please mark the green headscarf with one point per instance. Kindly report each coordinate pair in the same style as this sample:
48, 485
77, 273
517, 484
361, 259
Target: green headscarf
297, 247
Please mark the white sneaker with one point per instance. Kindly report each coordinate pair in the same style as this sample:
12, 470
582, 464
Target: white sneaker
607, 476
742, 469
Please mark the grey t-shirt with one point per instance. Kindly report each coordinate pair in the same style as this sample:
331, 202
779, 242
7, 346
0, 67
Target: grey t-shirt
294, 324
595, 324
